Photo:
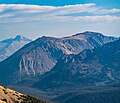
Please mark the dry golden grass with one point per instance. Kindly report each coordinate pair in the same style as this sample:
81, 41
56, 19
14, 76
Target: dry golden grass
9, 96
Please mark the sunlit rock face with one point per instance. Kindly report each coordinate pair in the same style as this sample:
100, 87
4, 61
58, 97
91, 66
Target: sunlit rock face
40, 56
100, 66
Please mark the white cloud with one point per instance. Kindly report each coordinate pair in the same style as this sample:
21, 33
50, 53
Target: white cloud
24, 7
23, 12
106, 11
98, 18
6, 15
56, 9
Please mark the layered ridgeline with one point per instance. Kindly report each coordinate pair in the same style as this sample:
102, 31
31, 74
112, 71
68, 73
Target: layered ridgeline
100, 66
41, 55
10, 46
100, 94
10, 96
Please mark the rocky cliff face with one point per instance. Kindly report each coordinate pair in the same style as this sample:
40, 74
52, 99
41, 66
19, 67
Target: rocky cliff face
99, 66
41, 55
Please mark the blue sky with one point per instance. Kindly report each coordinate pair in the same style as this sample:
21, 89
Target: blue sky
105, 3
35, 18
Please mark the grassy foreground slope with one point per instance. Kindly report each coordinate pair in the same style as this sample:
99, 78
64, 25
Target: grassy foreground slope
10, 96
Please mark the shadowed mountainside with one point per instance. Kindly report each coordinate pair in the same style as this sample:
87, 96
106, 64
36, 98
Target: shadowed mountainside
99, 66
40, 56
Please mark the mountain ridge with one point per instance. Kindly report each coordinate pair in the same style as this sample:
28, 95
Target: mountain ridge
30, 60
99, 66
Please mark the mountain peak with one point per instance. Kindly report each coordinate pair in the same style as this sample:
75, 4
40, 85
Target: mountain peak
10, 46
21, 38
89, 33
45, 38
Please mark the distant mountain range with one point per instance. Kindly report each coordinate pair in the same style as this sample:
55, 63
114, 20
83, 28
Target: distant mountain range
91, 76
41, 55
99, 66
82, 68
10, 46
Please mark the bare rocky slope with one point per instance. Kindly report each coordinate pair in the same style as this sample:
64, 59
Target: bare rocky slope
100, 66
41, 55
